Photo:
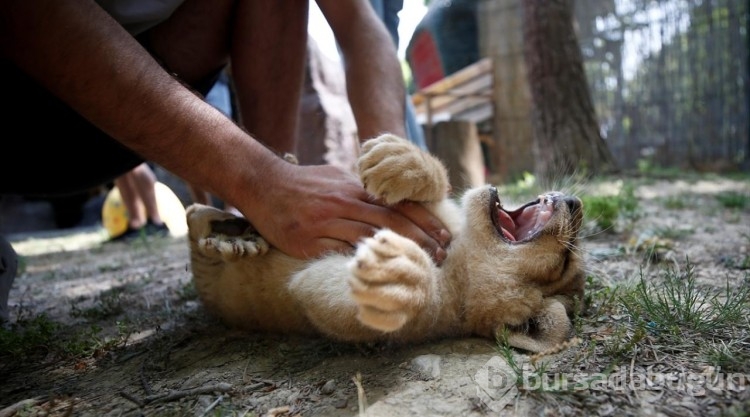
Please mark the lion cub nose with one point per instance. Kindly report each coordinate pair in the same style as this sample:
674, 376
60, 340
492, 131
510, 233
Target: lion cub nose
574, 203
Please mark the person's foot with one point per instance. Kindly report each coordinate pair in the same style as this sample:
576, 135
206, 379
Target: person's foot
8, 267
153, 229
149, 229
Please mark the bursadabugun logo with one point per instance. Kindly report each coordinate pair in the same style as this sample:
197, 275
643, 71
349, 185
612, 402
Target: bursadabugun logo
497, 382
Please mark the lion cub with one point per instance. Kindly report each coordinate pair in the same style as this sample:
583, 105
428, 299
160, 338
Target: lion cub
521, 269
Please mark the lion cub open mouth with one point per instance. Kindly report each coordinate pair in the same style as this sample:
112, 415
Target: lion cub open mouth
529, 220
519, 271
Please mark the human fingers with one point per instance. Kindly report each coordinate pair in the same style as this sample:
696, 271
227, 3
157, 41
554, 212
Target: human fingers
425, 220
427, 231
315, 210
339, 235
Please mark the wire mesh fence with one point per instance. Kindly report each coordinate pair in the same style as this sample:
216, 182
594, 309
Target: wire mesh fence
670, 80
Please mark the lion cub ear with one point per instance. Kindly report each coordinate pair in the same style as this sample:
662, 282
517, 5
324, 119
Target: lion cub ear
546, 332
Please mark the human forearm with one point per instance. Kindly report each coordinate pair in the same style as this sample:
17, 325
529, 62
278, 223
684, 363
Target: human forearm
376, 92
85, 58
268, 96
375, 85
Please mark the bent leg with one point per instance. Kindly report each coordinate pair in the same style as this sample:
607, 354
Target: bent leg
269, 50
194, 42
144, 180
131, 200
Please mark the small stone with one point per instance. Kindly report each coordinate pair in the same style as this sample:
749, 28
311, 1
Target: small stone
328, 388
428, 366
341, 403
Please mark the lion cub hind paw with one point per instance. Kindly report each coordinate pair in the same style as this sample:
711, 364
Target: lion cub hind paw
218, 233
233, 248
391, 280
232, 239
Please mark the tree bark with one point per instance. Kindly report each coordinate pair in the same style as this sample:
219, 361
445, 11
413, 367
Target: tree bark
567, 140
456, 143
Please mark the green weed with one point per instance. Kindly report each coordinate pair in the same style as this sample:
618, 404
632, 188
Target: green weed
187, 291
672, 232
733, 200
507, 352
108, 304
40, 337
27, 337
602, 210
623, 341
606, 211
678, 202
728, 356
679, 307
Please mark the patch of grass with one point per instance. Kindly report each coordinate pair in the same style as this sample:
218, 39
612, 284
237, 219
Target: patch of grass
733, 200
507, 352
664, 325
646, 166
600, 299
673, 232
606, 211
111, 267
676, 202
679, 308
523, 188
27, 337
85, 343
23, 263
39, 336
187, 291
728, 356
741, 262
602, 210
108, 304
623, 342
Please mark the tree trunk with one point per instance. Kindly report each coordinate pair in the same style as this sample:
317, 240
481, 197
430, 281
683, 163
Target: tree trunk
456, 143
567, 140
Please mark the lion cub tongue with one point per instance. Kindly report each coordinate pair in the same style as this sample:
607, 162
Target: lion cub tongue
507, 225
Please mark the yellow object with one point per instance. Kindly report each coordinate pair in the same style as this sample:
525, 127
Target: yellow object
115, 215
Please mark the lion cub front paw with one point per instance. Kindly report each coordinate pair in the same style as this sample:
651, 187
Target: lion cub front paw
391, 280
395, 170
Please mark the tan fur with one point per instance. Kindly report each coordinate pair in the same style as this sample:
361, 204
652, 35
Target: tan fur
390, 289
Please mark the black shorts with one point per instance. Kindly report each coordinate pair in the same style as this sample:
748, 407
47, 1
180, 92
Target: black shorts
48, 149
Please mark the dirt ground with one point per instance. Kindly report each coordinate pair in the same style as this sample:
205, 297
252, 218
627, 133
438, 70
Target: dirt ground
115, 329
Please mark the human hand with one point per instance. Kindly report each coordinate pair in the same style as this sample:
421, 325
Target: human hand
306, 211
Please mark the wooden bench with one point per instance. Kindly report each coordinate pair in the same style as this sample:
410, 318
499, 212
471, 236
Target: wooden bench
449, 110
464, 95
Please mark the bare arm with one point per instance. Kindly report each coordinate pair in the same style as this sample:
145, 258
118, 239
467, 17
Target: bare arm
375, 85
80, 54
84, 57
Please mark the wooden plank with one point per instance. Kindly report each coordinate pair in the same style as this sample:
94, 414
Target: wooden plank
481, 68
475, 88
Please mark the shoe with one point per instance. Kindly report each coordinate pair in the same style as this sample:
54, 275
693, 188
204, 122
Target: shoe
153, 229
149, 229
8, 268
